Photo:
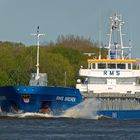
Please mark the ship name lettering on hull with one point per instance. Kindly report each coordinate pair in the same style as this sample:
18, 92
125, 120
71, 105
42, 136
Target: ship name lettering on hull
66, 99
111, 73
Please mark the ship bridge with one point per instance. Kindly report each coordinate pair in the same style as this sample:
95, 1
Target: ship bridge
111, 68
110, 76
118, 73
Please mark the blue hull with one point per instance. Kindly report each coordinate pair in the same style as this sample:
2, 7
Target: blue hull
120, 114
38, 99
55, 99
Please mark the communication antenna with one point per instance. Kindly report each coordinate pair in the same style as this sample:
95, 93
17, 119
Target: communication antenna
116, 28
99, 34
130, 47
37, 60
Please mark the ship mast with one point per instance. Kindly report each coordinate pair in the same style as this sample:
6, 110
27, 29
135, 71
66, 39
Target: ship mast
37, 60
100, 47
116, 27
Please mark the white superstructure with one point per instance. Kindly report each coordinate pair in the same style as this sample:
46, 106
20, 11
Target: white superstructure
118, 73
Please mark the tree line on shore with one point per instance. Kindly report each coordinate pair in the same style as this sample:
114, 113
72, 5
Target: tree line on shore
61, 60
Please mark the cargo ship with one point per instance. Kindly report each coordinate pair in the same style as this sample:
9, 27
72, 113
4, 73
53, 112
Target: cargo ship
113, 81
37, 97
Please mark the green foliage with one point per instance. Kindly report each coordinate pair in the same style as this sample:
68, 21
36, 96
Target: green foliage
3, 77
56, 66
61, 61
75, 58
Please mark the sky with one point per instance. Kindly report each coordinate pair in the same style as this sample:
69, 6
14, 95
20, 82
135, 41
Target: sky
20, 18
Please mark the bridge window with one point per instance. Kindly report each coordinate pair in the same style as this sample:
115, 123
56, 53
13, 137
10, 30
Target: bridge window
96, 80
126, 81
121, 66
112, 66
101, 66
91, 65
129, 66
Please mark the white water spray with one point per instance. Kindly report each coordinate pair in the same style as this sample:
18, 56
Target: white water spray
32, 115
86, 110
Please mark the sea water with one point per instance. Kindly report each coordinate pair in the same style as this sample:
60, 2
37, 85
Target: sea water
78, 123
67, 129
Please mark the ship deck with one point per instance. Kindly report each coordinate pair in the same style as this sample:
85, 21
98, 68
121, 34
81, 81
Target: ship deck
111, 95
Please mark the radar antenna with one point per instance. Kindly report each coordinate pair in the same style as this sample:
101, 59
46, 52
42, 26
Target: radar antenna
116, 27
